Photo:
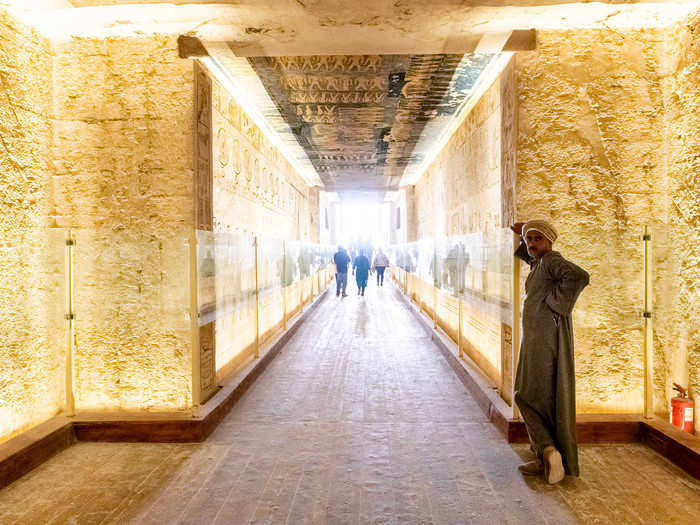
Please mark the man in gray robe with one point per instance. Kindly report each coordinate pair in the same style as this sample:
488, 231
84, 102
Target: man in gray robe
544, 384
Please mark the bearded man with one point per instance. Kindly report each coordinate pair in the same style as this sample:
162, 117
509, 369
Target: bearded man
545, 389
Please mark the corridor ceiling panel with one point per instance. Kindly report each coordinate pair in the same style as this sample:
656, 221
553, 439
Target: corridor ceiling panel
363, 120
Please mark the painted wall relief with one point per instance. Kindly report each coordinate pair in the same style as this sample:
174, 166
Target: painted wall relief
366, 119
204, 192
249, 166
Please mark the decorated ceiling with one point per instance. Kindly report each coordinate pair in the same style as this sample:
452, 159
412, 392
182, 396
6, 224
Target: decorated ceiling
364, 120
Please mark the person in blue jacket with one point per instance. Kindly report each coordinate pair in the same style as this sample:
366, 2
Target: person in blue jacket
341, 260
360, 267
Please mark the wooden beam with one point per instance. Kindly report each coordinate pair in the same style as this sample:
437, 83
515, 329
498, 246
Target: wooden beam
190, 47
521, 40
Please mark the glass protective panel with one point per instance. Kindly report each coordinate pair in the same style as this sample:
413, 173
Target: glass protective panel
132, 329
32, 316
226, 274
270, 266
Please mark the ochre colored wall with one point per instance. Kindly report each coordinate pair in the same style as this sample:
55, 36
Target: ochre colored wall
123, 158
32, 350
461, 193
607, 134
677, 257
256, 192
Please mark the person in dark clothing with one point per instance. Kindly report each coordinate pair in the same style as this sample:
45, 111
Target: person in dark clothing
341, 260
360, 267
544, 381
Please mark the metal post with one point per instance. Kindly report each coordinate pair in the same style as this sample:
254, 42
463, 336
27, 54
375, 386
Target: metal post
515, 334
194, 321
648, 328
284, 287
435, 303
70, 317
459, 327
257, 302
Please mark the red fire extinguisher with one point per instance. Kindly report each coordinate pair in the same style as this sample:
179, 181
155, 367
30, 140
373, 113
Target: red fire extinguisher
682, 410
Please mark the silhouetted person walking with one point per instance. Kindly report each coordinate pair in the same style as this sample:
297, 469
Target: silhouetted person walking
341, 260
360, 267
381, 261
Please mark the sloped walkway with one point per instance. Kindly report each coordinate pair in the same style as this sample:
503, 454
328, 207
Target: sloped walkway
358, 420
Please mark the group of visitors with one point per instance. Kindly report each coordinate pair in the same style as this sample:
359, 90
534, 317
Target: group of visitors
361, 269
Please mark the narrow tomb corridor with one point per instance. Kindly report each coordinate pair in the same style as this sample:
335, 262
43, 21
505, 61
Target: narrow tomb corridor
358, 420
183, 183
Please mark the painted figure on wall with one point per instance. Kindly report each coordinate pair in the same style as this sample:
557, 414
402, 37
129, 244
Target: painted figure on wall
456, 263
544, 384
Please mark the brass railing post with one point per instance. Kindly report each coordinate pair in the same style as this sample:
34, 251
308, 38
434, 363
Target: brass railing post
284, 285
648, 327
194, 320
435, 303
257, 301
515, 333
459, 326
70, 317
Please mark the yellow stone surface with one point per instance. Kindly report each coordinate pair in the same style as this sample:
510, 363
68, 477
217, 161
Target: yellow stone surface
122, 158
677, 296
460, 194
32, 350
607, 143
257, 192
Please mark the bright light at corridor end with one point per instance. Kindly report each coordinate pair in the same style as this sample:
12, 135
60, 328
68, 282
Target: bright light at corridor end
363, 222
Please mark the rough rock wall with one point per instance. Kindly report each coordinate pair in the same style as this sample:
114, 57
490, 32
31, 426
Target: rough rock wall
593, 157
123, 156
32, 350
677, 244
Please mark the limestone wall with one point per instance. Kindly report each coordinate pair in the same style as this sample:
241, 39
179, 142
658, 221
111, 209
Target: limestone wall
32, 350
256, 192
677, 243
462, 194
256, 189
607, 134
123, 157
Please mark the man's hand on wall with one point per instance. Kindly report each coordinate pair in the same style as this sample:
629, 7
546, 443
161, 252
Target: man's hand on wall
517, 227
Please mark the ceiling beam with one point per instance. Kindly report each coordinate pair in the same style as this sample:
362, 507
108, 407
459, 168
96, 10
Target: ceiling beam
190, 47
519, 40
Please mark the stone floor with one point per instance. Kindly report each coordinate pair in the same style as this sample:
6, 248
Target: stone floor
358, 420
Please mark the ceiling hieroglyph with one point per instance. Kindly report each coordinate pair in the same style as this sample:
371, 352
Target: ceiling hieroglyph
363, 119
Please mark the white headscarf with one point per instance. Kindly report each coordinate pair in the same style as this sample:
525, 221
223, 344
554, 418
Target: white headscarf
541, 226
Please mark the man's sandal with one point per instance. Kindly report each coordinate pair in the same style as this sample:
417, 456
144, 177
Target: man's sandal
532, 468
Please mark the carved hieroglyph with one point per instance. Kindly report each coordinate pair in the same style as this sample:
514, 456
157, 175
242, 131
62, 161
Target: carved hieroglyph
204, 192
363, 119
509, 145
248, 166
